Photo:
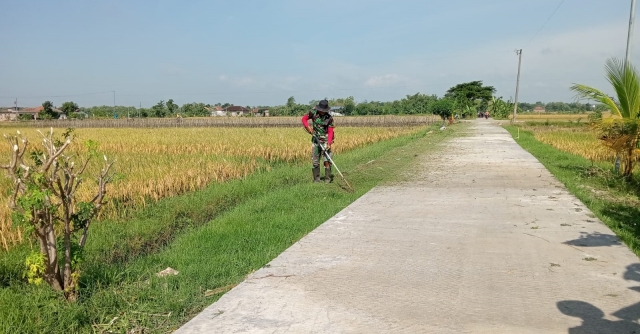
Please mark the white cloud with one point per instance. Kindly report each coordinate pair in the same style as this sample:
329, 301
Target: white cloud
243, 81
223, 77
384, 80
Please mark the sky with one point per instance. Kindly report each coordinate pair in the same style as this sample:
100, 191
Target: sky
259, 52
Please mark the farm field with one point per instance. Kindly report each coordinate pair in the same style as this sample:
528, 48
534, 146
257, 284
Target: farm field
214, 236
578, 140
190, 122
157, 163
553, 117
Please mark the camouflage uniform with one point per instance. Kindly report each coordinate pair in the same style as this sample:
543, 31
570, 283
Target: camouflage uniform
321, 125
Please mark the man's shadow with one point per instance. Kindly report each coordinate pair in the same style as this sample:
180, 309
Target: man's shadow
593, 321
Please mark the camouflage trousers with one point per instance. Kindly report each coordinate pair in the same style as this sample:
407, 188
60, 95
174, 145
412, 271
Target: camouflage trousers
317, 155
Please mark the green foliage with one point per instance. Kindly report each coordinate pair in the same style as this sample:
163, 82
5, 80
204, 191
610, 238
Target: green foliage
69, 107
172, 108
36, 156
291, 102
47, 111
469, 111
109, 111
621, 135
35, 268
25, 117
82, 216
92, 148
443, 107
596, 116
48, 107
349, 106
43, 204
236, 227
291, 108
194, 110
500, 109
471, 94
159, 110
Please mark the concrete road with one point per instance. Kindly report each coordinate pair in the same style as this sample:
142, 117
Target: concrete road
486, 240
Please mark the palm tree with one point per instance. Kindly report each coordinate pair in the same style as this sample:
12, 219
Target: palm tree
620, 134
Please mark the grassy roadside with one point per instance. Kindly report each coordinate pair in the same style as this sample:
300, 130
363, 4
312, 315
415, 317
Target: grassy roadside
607, 195
213, 237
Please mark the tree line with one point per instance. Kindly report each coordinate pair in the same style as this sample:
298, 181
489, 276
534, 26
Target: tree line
462, 100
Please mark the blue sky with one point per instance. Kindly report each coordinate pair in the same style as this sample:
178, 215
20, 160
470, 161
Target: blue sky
261, 52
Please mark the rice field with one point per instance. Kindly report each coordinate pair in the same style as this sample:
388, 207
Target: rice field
152, 164
580, 141
551, 117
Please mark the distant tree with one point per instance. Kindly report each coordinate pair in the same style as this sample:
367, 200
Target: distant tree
69, 107
526, 106
291, 102
500, 109
349, 106
159, 109
172, 108
226, 105
47, 111
194, 110
47, 107
471, 93
443, 107
363, 108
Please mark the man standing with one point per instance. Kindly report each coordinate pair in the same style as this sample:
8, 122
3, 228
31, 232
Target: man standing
321, 129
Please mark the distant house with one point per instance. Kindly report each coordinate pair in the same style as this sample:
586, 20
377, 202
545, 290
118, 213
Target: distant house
216, 111
8, 115
538, 109
335, 111
11, 114
238, 111
260, 112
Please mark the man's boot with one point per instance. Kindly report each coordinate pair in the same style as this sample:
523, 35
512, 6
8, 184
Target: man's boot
327, 175
316, 174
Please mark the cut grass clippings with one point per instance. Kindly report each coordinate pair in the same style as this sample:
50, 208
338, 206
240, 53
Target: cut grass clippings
214, 238
612, 199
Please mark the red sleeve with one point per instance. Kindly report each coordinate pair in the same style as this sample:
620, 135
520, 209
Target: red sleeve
330, 135
305, 120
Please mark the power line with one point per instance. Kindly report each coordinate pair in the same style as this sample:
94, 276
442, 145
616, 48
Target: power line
545, 22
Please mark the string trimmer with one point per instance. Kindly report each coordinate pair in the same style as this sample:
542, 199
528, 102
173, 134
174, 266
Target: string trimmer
326, 154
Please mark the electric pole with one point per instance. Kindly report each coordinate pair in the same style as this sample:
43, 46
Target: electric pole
515, 105
630, 33
114, 103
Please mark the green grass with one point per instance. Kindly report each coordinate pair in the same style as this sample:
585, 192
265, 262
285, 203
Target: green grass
612, 199
213, 237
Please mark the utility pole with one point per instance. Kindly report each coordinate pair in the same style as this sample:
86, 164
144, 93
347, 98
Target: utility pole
114, 103
515, 105
630, 33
